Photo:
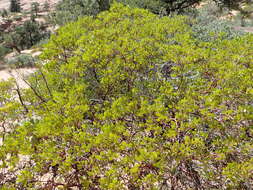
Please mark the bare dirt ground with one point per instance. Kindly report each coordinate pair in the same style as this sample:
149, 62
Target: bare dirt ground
17, 74
26, 4
245, 29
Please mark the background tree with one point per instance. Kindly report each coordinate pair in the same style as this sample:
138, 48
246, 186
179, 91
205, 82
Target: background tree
15, 6
68, 10
181, 6
26, 35
35, 8
46, 6
178, 5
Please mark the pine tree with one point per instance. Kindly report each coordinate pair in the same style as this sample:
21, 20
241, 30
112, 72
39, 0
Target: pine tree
46, 6
15, 6
35, 7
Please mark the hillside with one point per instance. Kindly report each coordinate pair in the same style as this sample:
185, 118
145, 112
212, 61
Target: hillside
8, 24
26, 4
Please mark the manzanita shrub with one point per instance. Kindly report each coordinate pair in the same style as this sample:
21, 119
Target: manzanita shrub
129, 100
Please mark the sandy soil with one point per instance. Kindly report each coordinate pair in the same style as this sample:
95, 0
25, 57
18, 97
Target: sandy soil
4, 4
245, 29
18, 74
26, 4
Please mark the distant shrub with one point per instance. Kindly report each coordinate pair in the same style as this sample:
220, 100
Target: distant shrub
4, 51
4, 13
214, 29
243, 21
26, 35
21, 61
209, 26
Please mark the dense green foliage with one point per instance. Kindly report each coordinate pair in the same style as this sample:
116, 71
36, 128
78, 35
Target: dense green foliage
129, 100
155, 6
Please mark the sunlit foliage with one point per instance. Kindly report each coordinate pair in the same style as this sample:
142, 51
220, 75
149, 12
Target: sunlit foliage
129, 100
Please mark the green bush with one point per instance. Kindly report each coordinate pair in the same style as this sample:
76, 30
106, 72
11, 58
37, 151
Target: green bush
4, 51
211, 29
208, 25
4, 13
128, 100
21, 61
